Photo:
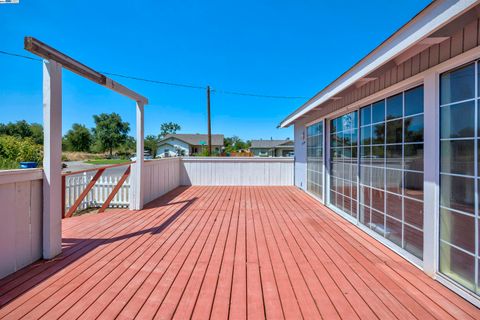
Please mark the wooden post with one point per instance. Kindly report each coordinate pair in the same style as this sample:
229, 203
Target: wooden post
137, 177
115, 190
52, 159
209, 123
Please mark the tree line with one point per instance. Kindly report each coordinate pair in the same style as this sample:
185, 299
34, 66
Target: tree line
110, 135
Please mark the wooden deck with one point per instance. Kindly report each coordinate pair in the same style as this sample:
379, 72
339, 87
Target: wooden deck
225, 252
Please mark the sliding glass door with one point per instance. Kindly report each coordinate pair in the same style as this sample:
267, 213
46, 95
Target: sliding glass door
344, 163
315, 159
459, 176
391, 169
376, 168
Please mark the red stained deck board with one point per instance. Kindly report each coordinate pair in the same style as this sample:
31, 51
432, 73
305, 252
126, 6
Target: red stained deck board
219, 252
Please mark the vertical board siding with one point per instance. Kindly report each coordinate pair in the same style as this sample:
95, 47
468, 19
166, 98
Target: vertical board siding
236, 172
161, 176
21, 220
461, 41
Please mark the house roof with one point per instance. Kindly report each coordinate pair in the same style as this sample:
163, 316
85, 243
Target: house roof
270, 143
435, 16
196, 139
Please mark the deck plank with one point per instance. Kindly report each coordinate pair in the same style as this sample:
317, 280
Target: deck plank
225, 252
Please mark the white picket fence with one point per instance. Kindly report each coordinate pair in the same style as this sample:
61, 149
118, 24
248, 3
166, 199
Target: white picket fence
75, 184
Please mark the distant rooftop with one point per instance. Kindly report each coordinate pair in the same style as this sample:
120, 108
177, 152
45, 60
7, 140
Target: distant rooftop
270, 143
196, 139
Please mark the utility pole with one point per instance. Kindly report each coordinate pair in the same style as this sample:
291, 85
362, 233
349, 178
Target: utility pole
209, 123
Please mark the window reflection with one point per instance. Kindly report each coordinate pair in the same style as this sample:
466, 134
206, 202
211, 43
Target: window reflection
414, 101
458, 121
391, 169
343, 162
315, 159
395, 107
457, 156
457, 193
458, 85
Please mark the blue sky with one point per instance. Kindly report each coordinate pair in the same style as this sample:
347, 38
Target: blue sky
288, 48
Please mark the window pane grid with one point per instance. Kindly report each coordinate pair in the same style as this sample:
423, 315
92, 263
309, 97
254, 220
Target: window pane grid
386, 171
343, 163
315, 159
459, 176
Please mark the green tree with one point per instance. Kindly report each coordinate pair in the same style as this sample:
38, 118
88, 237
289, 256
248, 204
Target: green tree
151, 144
78, 138
234, 143
110, 131
127, 149
37, 133
169, 128
22, 129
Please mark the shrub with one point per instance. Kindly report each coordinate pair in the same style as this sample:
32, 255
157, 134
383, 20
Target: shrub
17, 149
6, 164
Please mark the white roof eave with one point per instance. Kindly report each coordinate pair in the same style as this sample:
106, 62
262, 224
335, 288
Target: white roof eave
432, 18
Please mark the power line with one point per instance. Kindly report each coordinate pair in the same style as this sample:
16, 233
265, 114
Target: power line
174, 84
19, 55
154, 81
256, 95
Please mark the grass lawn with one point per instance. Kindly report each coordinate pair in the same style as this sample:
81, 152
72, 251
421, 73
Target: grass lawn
107, 161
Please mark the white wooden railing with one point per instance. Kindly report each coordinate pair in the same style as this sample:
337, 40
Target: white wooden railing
20, 219
74, 185
160, 177
164, 175
236, 171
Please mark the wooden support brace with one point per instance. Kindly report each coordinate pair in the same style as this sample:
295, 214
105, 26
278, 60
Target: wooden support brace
82, 196
64, 185
115, 190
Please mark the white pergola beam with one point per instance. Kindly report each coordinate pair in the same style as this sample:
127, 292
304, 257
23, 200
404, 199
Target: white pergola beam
45, 51
119, 88
52, 159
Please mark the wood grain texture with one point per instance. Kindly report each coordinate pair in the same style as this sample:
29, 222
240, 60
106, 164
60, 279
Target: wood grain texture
237, 172
20, 223
225, 252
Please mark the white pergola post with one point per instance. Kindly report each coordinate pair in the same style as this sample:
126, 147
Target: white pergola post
52, 159
137, 183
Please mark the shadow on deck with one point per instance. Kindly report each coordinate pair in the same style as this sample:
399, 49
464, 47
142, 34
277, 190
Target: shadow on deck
218, 252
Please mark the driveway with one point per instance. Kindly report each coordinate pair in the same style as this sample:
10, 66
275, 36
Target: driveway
80, 165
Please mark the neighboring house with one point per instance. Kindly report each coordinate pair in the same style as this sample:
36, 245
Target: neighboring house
393, 144
187, 144
272, 148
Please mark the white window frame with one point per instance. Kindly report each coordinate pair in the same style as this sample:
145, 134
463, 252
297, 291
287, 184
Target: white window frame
430, 80
324, 170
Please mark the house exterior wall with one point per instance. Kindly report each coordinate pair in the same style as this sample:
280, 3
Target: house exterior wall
270, 152
424, 69
261, 152
300, 150
283, 152
199, 148
170, 145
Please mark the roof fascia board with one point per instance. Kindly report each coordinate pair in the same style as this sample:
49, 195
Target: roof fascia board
432, 18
